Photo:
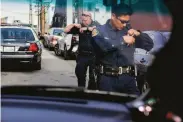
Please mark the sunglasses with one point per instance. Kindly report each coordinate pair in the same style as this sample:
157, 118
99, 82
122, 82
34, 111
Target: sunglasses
123, 21
85, 15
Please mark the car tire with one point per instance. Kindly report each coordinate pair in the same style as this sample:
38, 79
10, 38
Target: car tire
49, 48
66, 54
44, 44
62, 53
57, 53
37, 65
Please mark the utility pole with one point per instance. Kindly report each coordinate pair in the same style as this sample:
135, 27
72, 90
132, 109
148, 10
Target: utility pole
42, 18
38, 15
30, 12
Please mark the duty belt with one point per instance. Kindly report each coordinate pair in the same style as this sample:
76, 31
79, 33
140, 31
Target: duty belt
116, 71
86, 53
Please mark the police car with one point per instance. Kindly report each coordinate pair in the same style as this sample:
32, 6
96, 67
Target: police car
50, 39
20, 44
143, 58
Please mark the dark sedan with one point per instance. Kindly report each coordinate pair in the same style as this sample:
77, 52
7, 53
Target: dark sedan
20, 44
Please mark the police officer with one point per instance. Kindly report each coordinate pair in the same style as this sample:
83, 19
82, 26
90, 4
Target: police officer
114, 43
86, 55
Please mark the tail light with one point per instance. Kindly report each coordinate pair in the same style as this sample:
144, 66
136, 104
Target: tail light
33, 47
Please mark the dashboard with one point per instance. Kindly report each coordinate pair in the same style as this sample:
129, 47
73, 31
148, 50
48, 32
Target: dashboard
19, 108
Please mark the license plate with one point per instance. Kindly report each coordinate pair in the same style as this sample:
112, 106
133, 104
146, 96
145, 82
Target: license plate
9, 49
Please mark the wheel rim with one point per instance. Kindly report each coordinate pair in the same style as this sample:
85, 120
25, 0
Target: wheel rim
56, 49
44, 43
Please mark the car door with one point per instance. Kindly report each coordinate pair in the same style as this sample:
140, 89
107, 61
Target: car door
62, 41
58, 33
59, 41
67, 41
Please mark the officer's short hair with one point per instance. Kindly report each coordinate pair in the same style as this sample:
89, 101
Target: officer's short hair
122, 9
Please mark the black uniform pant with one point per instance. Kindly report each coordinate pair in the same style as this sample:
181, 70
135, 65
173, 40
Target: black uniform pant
82, 63
124, 83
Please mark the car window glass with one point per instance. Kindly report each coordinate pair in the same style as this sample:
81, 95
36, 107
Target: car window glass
17, 34
57, 31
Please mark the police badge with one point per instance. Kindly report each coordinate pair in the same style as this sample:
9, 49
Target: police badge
94, 32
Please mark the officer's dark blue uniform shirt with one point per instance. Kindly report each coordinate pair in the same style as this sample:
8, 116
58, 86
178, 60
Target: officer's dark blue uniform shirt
84, 38
111, 49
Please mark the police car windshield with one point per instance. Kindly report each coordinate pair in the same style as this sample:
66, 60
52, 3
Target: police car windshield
74, 49
16, 35
58, 31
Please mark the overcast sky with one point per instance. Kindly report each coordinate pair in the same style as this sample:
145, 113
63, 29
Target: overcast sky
18, 10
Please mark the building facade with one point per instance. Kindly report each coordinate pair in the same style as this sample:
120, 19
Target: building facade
148, 14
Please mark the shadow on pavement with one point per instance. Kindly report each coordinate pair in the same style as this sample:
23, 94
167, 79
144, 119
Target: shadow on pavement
71, 57
16, 67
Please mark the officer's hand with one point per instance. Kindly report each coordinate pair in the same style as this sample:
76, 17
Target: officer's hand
129, 39
83, 29
133, 32
77, 25
91, 28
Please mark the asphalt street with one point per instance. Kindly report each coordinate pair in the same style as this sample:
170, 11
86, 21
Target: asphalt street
55, 71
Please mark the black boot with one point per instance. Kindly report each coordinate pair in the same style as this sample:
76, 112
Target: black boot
92, 85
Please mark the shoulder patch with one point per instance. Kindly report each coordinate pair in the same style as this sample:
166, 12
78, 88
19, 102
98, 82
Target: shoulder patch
95, 32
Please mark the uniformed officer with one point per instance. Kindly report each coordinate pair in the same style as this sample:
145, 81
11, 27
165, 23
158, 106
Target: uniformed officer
86, 55
114, 43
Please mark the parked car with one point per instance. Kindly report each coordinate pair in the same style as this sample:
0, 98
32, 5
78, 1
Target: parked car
143, 58
20, 44
50, 39
67, 46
